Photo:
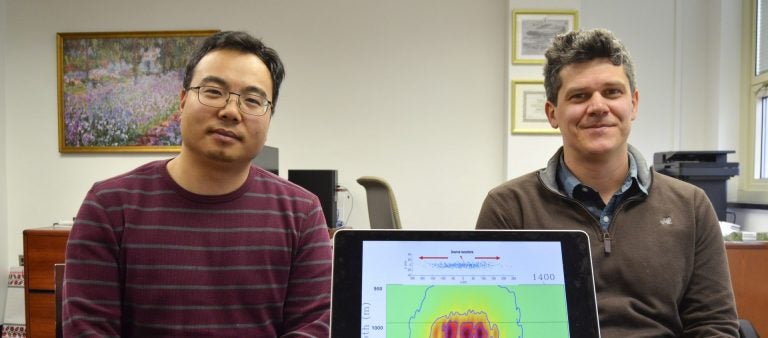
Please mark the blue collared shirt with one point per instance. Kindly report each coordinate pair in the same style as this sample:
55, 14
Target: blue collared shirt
591, 199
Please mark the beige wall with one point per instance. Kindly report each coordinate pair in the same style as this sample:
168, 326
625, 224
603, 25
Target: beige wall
3, 158
410, 91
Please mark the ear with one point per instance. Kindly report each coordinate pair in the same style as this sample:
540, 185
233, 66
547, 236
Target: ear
635, 103
182, 99
549, 109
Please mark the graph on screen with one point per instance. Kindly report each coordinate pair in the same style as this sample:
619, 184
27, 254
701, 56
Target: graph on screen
463, 289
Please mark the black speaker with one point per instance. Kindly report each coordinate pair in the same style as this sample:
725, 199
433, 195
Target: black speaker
321, 183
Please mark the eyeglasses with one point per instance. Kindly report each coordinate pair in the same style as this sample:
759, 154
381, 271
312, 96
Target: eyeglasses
251, 104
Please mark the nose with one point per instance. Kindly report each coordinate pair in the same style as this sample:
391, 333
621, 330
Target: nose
231, 111
597, 104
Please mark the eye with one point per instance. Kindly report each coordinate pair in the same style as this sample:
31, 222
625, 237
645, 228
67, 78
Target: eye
254, 100
212, 92
613, 92
578, 97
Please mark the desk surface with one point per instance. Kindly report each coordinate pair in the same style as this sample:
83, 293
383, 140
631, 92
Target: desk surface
747, 245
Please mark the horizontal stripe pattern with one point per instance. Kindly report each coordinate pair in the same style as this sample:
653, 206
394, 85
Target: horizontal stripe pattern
255, 262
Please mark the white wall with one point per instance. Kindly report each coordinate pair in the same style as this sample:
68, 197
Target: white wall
4, 240
728, 51
410, 91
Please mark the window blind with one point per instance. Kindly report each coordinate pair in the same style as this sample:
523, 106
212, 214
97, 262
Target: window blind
761, 54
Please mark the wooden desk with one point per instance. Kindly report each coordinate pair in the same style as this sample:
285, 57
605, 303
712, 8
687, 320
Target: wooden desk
749, 276
332, 231
43, 247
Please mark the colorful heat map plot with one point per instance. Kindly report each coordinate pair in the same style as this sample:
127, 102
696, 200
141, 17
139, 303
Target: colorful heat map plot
476, 311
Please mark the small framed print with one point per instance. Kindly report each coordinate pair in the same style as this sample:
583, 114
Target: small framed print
528, 114
533, 30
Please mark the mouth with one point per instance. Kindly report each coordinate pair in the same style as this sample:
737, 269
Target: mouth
598, 126
225, 133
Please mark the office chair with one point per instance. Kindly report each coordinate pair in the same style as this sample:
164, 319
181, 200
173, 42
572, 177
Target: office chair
382, 207
746, 330
58, 276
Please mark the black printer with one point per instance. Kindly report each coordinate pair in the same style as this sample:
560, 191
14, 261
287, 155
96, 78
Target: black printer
705, 169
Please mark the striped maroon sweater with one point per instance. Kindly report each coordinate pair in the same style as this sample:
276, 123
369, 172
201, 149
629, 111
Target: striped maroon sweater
147, 258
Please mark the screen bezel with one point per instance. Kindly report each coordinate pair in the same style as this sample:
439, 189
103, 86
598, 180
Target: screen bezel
347, 271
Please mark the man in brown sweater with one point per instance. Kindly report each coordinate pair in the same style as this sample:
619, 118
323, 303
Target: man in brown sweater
657, 250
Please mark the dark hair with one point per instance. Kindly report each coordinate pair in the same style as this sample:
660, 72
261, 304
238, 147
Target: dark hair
582, 46
241, 42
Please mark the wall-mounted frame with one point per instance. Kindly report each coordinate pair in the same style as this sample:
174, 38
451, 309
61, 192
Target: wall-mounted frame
527, 114
533, 30
119, 91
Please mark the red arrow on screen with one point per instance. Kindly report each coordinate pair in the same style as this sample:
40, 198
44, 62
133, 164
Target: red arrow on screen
433, 257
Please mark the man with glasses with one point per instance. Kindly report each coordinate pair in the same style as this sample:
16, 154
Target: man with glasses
204, 244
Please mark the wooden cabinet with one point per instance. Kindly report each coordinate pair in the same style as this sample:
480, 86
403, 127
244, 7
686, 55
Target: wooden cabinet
43, 247
749, 276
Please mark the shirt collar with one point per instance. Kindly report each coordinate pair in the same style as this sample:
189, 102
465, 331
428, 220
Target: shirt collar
568, 182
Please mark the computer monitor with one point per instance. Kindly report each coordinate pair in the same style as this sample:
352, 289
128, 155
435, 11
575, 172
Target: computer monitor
322, 183
268, 159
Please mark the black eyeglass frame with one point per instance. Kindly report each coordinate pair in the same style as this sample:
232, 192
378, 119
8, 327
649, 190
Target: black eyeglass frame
267, 107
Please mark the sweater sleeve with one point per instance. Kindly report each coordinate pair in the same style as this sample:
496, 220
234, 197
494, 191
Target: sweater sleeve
308, 296
708, 307
91, 297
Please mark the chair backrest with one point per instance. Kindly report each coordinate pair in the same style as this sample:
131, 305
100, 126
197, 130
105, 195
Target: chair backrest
382, 207
58, 276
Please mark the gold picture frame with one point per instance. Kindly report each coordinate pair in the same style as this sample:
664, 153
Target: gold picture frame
119, 91
527, 114
533, 30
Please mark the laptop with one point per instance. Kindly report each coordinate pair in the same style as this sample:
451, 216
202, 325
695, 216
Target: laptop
462, 283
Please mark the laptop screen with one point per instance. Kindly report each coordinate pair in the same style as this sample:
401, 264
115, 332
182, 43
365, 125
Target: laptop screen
480, 289
462, 284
